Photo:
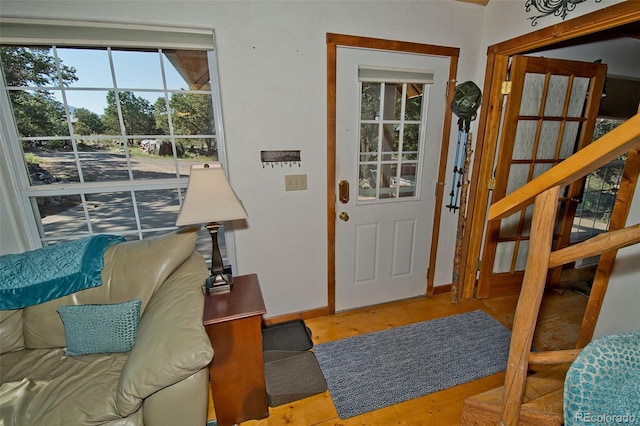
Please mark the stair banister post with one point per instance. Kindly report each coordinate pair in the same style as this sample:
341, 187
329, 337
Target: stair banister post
526, 315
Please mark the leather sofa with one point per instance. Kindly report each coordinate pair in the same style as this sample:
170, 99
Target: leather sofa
163, 380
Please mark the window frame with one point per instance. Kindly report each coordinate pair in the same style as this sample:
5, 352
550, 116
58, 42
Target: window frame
27, 33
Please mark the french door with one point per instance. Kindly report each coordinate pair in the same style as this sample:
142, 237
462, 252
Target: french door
550, 113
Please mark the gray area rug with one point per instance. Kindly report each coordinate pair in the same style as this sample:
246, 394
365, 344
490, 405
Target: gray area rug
372, 371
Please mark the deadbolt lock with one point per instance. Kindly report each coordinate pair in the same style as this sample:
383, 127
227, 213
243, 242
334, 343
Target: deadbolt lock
344, 216
343, 191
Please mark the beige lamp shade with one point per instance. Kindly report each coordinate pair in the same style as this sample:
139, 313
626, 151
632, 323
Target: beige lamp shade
209, 197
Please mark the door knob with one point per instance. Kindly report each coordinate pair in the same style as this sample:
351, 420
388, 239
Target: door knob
344, 216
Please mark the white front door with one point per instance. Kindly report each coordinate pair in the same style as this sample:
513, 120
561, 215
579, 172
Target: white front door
389, 120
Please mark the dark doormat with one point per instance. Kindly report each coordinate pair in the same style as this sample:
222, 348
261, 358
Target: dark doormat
287, 336
292, 375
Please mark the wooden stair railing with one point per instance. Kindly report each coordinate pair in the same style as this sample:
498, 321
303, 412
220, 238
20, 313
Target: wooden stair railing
545, 190
595, 155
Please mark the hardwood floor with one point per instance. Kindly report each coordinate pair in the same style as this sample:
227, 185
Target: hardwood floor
558, 325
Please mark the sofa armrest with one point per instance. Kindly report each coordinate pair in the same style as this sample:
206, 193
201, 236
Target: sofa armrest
171, 344
184, 403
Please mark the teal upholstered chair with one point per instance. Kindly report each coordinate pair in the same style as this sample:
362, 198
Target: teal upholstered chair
603, 383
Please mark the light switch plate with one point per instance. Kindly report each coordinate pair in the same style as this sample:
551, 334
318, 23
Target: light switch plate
295, 182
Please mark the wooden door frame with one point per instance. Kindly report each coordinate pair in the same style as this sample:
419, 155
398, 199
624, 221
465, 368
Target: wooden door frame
342, 40
491, 110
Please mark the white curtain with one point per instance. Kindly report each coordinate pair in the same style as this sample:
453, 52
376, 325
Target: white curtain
14, 237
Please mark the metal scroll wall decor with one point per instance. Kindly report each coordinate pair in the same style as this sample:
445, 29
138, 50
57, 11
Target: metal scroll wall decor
551, 7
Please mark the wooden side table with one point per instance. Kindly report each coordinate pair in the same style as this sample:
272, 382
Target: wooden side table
236, 375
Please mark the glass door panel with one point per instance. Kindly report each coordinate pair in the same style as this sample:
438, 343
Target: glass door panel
551, 106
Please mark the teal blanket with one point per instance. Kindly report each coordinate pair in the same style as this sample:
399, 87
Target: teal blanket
53, 271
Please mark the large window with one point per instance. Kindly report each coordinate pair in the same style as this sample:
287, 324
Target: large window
106, 131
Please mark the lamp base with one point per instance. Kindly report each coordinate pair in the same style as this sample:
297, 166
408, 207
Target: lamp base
218, 283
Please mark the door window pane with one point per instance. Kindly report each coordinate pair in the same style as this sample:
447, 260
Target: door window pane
532, 94
391, 120
524, 140
521, 258
413, 110
392, 97
370, 101
579, 91
411, 141
390, 142
569, 139
509, 226
368, 182
548, 140
518, 176
504, 255
556, 94
388, 181
407, 181
368, 142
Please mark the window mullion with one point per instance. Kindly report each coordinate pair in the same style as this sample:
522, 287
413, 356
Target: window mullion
96, 187
174, 148
216, 100
380, 138
136, 214
219, 139
85, 210
403, 104
34, 207
72, 139
123, 130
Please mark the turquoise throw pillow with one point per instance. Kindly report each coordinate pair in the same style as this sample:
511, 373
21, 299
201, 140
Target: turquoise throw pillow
90, 329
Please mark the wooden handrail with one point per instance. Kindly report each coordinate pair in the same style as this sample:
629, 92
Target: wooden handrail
595, 155
554, 357
599, 244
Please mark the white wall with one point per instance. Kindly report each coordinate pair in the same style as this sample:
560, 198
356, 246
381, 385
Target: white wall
272, 63
620, 311
507, 19
620, 55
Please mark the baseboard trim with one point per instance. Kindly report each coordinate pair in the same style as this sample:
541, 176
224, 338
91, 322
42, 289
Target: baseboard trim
324, 311
442, 289
303, 315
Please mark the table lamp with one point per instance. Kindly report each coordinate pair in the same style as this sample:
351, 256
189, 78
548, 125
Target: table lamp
211, 200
